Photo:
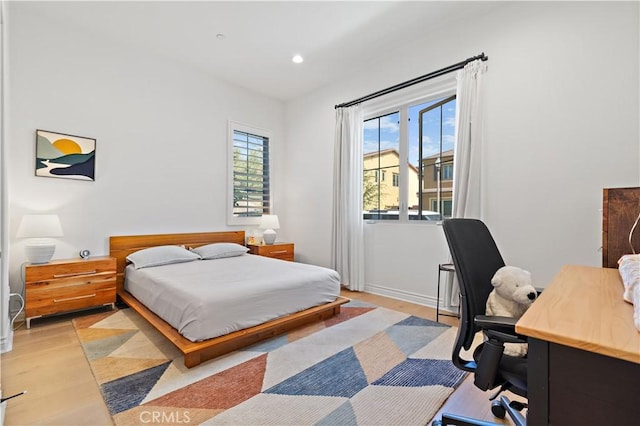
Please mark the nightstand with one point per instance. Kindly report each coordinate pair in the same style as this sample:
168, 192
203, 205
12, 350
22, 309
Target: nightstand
282, 251
69, 285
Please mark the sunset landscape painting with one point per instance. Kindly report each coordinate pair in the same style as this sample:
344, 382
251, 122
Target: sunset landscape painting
65, 156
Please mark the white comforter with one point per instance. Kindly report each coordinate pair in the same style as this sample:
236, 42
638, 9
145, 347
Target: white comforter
629, 267
209, 298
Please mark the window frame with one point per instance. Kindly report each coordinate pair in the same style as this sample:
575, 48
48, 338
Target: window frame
232, 127
401, 103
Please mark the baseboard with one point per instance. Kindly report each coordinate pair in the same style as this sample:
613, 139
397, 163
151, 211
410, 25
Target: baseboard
407, 296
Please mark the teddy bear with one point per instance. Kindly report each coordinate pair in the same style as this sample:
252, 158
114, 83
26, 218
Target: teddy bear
511, 296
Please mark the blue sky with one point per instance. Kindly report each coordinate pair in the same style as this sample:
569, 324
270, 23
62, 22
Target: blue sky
389, 131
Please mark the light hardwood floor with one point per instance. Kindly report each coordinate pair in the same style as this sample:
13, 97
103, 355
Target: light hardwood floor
48, 361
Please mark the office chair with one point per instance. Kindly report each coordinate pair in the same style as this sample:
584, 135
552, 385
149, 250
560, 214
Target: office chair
476, 259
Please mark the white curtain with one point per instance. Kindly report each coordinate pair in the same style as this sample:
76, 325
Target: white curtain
347, 254
467, 167
6, 332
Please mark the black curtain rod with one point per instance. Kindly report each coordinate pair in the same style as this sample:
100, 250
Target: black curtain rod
413, 81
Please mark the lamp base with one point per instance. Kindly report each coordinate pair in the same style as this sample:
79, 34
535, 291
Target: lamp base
269, 236
39, 250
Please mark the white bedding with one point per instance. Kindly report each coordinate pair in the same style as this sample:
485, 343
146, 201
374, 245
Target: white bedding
209, 298
629, 268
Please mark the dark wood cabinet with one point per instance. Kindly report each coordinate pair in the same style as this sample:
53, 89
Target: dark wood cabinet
620, 208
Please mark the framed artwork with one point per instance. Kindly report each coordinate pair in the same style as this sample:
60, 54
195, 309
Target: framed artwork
65, 156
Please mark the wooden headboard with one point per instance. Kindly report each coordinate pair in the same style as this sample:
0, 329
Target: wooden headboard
122, 246
620, 208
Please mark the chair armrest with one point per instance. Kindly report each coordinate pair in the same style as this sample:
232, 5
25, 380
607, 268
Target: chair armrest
506, 324
500, 328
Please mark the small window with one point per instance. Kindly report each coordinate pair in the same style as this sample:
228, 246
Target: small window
250, 191
395, 180
444, 206
447, 171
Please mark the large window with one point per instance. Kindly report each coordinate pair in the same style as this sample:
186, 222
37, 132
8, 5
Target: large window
415, 143
250, 195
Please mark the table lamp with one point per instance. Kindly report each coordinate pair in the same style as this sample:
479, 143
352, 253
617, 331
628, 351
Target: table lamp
269, 222
39, 229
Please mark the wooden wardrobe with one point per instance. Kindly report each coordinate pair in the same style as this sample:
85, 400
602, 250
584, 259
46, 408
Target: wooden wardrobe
620, 209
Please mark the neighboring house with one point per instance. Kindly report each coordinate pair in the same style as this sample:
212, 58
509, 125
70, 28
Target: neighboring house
381, 177
438, 174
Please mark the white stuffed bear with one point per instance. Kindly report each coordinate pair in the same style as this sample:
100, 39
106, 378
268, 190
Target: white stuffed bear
511, 296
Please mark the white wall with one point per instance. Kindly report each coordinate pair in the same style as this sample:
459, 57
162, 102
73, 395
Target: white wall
161, 130
562, 123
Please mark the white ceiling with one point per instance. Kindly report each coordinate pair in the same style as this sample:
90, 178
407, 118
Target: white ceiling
336, 38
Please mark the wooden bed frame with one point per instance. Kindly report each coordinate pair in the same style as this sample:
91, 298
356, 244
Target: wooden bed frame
197, 352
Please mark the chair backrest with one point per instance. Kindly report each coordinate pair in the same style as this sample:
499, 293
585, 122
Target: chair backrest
476, 259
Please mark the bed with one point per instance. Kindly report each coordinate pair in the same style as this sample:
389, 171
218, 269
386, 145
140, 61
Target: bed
200, 347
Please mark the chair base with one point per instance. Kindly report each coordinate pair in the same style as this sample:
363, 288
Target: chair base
449, 419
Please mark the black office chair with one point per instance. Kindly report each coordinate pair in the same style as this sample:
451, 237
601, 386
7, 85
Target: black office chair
476, 259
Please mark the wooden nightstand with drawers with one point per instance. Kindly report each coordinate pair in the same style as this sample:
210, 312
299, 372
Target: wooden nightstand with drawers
69, 285
282, 251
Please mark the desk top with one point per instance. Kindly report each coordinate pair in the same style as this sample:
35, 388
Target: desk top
583, 308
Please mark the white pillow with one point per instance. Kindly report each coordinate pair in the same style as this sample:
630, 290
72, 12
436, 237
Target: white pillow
161, 255
220, 250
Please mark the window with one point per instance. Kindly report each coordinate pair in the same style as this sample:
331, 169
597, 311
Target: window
381, 154
443, 171
444, 206
435, 140
426, 141
250, 191
447, 171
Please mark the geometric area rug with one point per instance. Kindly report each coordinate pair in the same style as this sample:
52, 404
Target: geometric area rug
367, 366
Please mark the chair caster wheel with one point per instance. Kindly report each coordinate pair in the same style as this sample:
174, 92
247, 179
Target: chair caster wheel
436, 423
498, 409
517, 405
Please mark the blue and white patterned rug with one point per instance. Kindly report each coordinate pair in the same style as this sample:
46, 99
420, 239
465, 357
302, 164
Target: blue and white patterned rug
367, 366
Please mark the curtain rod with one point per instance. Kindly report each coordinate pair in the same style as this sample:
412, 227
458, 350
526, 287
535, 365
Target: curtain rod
413, 81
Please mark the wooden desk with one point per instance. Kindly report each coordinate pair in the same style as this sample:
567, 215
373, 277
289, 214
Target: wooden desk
584, 351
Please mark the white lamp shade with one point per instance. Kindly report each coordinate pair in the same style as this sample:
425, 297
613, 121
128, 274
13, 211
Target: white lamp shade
269, 221
40, 226
39, 229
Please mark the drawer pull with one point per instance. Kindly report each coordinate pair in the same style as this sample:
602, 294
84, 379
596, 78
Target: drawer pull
86, 296
74, 274
278, 252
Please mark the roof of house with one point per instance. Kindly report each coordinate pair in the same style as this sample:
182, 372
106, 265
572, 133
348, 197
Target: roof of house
384, 151
389, 151
446, 153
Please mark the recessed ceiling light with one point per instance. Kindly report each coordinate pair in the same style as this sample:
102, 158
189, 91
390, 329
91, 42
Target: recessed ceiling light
297, 59
220, 36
